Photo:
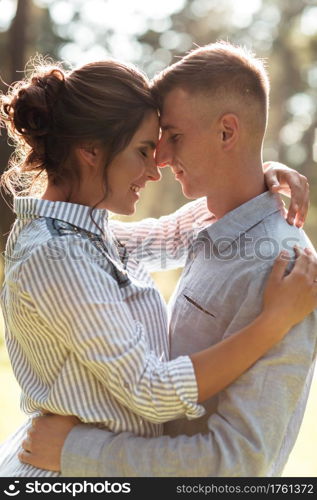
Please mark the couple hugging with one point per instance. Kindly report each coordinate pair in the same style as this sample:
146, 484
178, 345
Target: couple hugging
219, 386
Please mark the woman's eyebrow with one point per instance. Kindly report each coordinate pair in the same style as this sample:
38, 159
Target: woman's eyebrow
151, 144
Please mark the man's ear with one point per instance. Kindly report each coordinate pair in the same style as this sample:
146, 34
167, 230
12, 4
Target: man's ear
229, 128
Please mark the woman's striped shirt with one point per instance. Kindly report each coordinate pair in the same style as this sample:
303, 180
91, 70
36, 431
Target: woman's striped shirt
86, 329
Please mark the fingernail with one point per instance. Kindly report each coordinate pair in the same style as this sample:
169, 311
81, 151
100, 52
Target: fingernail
284, 254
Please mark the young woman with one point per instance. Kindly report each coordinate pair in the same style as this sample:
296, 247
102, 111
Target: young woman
86, 330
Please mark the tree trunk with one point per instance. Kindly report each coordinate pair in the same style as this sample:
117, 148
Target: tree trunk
16, 47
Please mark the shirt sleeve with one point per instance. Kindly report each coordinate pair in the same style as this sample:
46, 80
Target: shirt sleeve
250, 435
84, 303
164, 243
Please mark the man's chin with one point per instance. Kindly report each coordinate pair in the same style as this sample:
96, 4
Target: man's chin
190, 194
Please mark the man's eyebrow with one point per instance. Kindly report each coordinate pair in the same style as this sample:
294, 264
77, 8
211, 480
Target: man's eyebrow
167, 127
151, 144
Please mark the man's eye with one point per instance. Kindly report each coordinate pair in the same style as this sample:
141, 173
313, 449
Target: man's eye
174, 138
143, 153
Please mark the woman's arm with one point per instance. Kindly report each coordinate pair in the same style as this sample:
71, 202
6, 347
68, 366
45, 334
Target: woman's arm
164, 243
284, 180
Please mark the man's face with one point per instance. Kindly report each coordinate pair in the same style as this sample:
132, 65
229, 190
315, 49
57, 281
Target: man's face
190, 142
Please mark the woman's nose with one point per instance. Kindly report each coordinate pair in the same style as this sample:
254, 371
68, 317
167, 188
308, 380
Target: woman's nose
153, 172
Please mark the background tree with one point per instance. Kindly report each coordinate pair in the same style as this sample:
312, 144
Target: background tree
29, 31
153, 35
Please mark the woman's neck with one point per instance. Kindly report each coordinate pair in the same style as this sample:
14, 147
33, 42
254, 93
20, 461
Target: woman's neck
56, 193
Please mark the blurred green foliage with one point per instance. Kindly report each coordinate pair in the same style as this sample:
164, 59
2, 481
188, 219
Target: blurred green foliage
153, 35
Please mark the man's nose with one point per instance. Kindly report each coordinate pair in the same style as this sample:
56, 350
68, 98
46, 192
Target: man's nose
162, 156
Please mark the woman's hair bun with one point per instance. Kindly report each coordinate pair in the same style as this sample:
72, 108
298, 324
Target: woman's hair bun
30, 108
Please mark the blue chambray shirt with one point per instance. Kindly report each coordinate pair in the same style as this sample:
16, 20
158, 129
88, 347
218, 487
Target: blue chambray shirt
250, 427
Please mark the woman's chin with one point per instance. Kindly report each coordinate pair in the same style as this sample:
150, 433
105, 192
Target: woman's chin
130, 211
126, 210
121, 208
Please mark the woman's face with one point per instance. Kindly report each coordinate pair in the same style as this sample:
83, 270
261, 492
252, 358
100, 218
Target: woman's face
130, 170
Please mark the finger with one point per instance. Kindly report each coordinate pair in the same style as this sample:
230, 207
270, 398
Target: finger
26, 445
303, 209
280, 266
24, 456
291, 213
295, 203
272, 181
35, 421
46, 413
298, 251
274, 188
308, 251
300, 198
283, 211
301, 261
312, 265
27, 457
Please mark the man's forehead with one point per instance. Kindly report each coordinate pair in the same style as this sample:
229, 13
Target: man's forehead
181, 108
176, 105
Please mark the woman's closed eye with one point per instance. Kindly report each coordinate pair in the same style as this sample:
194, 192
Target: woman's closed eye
144, 153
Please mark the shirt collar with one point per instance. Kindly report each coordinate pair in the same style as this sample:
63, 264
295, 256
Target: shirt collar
242, 218
78, 215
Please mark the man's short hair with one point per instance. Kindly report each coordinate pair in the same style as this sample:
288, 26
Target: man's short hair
219, 70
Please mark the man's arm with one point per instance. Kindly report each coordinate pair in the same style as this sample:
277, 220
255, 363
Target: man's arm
246, 434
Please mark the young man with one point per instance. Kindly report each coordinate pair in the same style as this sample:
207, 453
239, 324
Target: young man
213, 115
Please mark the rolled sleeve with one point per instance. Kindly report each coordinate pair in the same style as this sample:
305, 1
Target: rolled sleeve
164, 243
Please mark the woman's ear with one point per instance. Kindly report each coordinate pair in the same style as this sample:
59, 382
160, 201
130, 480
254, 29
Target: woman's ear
88, 154
229, 127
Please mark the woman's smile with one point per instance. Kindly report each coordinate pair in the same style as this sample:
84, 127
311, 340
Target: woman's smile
133, 167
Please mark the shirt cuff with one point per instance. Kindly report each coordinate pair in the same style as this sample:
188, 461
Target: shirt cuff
81, 451
185, 384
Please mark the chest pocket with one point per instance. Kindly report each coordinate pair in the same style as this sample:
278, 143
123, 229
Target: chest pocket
195, 324
198, 306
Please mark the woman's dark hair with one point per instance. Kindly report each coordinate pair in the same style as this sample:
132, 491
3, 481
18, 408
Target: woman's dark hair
54, 109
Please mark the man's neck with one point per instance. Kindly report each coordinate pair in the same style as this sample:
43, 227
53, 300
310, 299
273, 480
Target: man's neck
236, 192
